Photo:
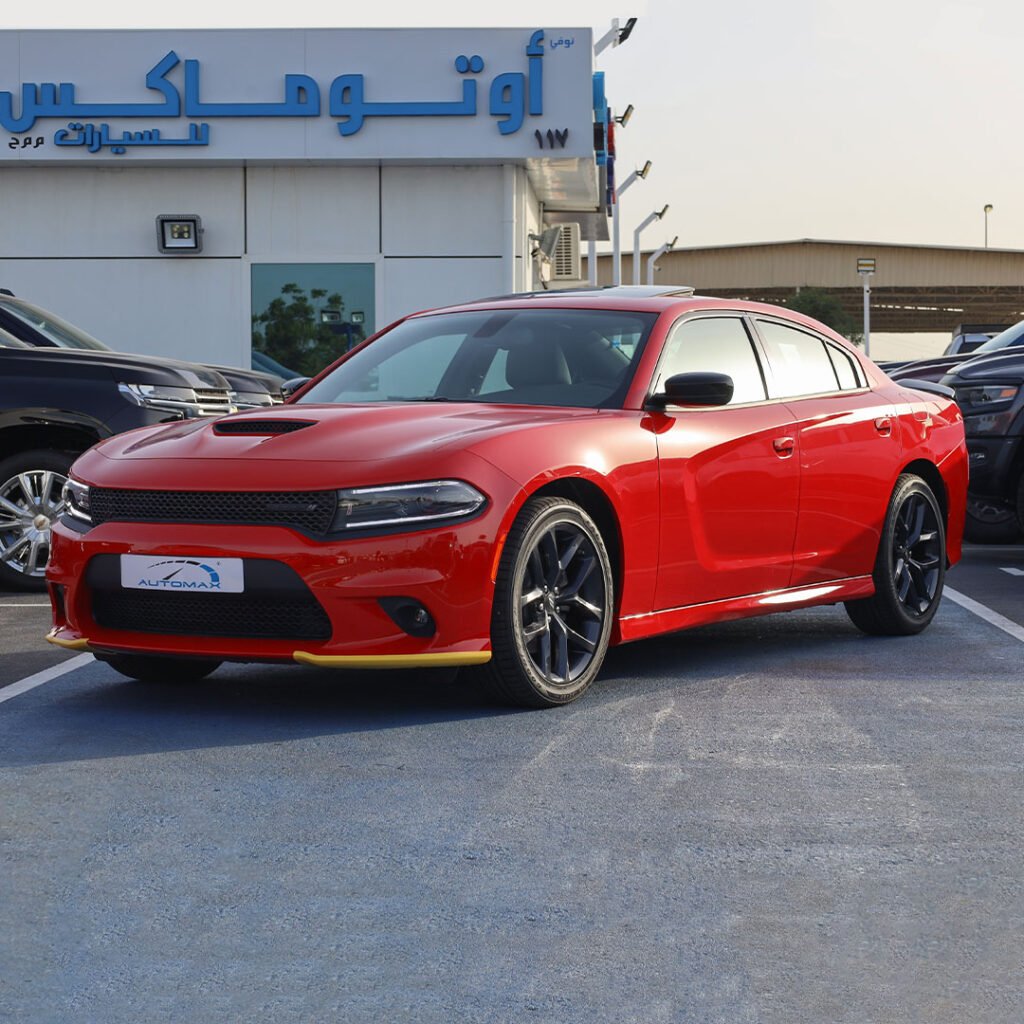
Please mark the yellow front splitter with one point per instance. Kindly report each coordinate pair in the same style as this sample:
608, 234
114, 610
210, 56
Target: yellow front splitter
438, 660
80, 644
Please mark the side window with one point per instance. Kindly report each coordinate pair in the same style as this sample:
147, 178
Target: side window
799, 361
847, 370
716, 345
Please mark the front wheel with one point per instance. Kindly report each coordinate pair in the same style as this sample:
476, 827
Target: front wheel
910, 567
553, 606
153, 668
30, 502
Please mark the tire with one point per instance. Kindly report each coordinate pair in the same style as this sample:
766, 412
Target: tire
910, 568
553, 607
990, 521
152, 668
30, 500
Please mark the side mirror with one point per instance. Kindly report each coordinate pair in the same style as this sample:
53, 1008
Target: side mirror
700, 389
289, 387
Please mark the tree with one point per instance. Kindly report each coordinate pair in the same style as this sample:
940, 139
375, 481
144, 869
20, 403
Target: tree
828, 308
292, 330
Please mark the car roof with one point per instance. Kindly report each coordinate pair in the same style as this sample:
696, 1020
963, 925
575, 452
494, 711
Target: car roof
631, 298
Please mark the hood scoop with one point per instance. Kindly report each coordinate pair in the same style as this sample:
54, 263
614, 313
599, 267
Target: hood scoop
254, 426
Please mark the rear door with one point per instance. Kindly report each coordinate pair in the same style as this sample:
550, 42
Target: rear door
849, 451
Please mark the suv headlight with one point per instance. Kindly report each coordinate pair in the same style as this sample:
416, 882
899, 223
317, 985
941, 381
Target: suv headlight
162, 396
253, 399
76, 500
984, 398
987, 408
406, 504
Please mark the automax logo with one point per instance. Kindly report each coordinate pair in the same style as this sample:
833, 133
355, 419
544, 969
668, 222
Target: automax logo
179, 574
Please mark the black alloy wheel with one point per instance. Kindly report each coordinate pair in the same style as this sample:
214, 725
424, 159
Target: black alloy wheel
553, 606
910, 567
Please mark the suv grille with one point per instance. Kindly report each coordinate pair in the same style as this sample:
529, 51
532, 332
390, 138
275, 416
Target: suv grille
214, 402
310, 512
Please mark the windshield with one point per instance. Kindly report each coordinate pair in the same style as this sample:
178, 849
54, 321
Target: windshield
1011, 336
580, 358
58, 332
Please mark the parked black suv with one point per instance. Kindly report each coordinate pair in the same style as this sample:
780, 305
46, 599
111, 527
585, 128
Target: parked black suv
55, 403
990, 392
35, 326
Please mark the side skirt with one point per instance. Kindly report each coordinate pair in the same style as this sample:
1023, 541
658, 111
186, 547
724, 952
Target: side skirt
636, 627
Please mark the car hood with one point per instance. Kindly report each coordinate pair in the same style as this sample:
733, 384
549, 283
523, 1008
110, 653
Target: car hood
135, 369
255, 381
369, 433
928, 369
1004, 367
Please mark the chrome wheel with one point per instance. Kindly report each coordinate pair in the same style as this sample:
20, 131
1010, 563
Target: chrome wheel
917, 553
30, 501
562, 604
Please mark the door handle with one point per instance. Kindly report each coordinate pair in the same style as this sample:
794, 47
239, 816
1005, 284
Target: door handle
883, 425
784, 446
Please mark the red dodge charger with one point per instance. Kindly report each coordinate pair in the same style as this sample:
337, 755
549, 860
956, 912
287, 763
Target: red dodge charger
511, 485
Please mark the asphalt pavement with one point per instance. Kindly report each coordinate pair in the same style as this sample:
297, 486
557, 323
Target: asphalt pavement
775, 820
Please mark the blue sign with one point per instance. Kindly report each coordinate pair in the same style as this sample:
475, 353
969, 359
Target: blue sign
512, 96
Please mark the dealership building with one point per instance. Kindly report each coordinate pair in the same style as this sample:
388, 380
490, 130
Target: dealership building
162, 189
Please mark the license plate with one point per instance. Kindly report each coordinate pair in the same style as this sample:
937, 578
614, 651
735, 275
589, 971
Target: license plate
182, 574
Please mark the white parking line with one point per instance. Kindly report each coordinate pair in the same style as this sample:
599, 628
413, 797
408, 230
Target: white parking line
31, 682
994, 618
1013, 571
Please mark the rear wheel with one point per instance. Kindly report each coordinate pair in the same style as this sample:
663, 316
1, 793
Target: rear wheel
910, 567
151, 668
30, 502
553, 606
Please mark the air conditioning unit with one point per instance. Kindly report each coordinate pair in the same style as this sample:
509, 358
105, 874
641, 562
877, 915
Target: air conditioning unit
566, 264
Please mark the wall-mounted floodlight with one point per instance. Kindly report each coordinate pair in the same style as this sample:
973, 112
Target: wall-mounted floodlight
645, 170
623, 118
179, 233
547, 242
615, 35
625, 33
663, 211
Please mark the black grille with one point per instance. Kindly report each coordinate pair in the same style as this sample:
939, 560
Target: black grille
227, 615
310, 512
248, 426
276, 605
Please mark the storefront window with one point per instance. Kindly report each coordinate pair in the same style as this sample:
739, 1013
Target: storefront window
305, 315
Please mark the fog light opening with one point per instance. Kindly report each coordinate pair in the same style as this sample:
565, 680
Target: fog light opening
409, 615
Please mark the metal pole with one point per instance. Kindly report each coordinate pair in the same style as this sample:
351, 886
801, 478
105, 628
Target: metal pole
867, 314
592, 261
616, 243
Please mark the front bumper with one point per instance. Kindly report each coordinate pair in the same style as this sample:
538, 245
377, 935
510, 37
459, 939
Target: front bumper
448, 570
991, 463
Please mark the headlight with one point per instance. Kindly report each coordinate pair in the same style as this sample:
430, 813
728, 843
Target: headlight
160, 396
253, 399
402, 504
76, 500
985, 398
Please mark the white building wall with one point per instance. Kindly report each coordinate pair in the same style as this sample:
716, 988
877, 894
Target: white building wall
81, 241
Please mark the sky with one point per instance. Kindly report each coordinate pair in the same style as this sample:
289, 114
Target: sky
865, 120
